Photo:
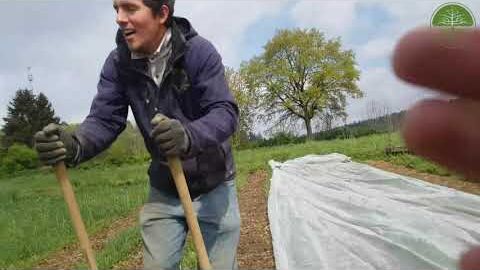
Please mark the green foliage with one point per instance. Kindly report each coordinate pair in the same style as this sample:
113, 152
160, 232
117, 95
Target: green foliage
189, 259
27, 114
128, 148
301, 75
347, 132
2, 135
246, 102
18, 158
280, 138
3, 152
378, 125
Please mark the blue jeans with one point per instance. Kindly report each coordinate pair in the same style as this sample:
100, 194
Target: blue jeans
164, 227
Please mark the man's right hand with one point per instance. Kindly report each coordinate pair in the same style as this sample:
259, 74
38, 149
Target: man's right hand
54, 144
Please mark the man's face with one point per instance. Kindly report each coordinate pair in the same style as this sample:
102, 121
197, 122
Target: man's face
142, 30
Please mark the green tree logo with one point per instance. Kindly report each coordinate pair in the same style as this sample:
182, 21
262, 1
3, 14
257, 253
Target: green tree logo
452, 16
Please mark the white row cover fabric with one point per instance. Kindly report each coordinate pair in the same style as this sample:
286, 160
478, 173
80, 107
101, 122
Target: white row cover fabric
327, 212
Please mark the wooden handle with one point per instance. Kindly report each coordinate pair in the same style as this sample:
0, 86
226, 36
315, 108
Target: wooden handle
61, 173
182, 188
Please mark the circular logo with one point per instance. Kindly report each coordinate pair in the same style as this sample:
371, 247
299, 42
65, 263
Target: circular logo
452, 16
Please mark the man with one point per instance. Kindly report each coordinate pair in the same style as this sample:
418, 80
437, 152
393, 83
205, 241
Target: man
445, 132
173, 80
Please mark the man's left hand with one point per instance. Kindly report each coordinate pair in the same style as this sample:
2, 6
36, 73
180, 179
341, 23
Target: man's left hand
169, 135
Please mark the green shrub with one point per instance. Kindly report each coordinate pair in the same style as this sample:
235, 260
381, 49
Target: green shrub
281, 138
128, 148
3, 152
18, 158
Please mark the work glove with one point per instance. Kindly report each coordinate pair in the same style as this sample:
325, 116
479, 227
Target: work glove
54, 144
169, 135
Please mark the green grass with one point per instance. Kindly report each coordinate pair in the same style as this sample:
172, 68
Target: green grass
34, 221
419, 164
117, 249
189, 259
361, 149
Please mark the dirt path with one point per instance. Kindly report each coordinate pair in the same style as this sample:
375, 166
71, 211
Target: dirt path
133, 262
255, 250
69, 256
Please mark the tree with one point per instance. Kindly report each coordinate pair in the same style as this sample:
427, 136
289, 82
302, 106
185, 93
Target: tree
27, 114
301, 75
246, 102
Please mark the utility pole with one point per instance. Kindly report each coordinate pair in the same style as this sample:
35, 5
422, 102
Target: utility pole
30, 78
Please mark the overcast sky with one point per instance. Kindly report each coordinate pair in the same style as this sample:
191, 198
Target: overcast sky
66, 42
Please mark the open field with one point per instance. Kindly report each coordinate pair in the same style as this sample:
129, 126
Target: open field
34, 220
35, 227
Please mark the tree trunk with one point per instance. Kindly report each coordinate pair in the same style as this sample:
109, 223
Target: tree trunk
308, 125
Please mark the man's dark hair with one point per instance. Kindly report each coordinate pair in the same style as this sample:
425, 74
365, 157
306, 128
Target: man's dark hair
156, 7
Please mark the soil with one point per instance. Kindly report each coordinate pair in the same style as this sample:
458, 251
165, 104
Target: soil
133, 262
255, 250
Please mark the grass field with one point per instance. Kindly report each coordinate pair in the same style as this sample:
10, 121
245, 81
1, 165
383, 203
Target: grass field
34, 221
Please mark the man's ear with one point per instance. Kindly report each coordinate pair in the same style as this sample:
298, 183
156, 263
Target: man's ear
164, 11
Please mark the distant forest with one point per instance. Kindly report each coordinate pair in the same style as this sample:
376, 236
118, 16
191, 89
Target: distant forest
383, 124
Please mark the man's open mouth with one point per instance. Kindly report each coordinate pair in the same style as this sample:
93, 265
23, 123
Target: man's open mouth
128, 32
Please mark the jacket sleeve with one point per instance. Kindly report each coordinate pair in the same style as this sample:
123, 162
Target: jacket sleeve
217, 105
108, 114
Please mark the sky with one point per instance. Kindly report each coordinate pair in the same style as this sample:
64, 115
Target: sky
65, 42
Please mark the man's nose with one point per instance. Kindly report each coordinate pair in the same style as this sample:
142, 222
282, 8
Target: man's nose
122, 18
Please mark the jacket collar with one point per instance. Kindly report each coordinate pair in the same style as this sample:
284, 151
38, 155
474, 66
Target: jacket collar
160, 50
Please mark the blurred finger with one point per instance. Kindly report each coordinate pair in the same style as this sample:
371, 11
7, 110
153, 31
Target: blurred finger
46, 147
164, 137
42, 137
158, 118
52, 154
171, 151
39, 134
439, 59
447, 133
167, 145
55, 161
51, 129
160, 128
471, 260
